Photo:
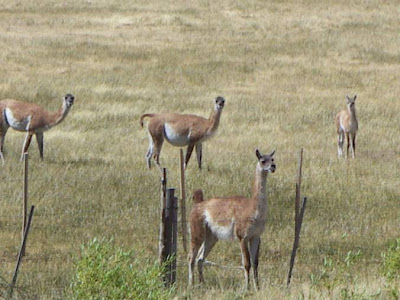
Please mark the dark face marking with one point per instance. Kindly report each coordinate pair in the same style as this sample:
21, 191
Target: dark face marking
69, 99
266, 161
351, 101
220, 102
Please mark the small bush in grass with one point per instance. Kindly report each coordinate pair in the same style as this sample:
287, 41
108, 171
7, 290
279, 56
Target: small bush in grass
391, 260
105, 271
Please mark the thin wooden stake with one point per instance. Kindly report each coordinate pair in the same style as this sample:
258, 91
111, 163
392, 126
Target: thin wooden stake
183, 203
161, 242
298, 188
163, 186
296, 240
14, 280
298, 216
25, 200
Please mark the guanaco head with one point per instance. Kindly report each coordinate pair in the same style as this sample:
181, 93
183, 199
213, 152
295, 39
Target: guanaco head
69, 100
266, 162
219, 103
351, 101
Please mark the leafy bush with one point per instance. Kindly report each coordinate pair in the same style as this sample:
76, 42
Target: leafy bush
105, 271
391, 260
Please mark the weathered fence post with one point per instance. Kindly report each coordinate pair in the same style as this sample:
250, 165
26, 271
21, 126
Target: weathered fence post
299, 213
170, 237
14, 280
162, 214
298, 189
296, 240
25, 200
183, 203
172, 211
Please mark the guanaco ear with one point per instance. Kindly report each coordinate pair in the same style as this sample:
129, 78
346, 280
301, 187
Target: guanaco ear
272, 153
258, 154
355, 97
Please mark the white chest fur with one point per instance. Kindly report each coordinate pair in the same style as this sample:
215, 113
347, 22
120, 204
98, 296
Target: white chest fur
222, 232
17, 124
174, 138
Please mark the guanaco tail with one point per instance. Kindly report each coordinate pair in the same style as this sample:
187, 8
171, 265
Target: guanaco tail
231, 217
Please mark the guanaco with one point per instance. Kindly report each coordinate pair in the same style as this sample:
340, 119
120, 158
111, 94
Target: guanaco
181, 130
30, 118
347, 126
231, 217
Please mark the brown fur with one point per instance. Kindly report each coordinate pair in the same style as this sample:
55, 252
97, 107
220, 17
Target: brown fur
231, 217
181, 130
31, 118
198, 196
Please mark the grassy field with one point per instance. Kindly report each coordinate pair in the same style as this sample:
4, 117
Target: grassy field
284, 68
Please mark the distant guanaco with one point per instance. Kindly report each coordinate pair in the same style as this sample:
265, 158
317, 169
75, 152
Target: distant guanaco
181, 130
231, 217
347, 126
31, 118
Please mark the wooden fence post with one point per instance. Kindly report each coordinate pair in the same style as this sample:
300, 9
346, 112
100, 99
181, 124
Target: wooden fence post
20, 255
296, 240
298, 188
170, 237
25, 200
172, 208
183, 203
162, 215
299, 213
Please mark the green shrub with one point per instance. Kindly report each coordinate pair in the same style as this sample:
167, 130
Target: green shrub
104, 271
391, 260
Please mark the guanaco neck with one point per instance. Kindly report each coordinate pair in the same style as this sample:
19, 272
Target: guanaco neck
58, 116
214, 119
260, 190
353, 119
352, 111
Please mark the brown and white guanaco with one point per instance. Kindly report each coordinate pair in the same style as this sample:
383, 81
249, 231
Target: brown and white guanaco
181, 130
30, 118
229, 218
347, 126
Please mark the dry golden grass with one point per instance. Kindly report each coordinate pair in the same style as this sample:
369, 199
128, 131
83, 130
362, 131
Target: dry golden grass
284, 68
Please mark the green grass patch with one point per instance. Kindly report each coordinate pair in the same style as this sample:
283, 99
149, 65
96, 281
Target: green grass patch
105, 271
